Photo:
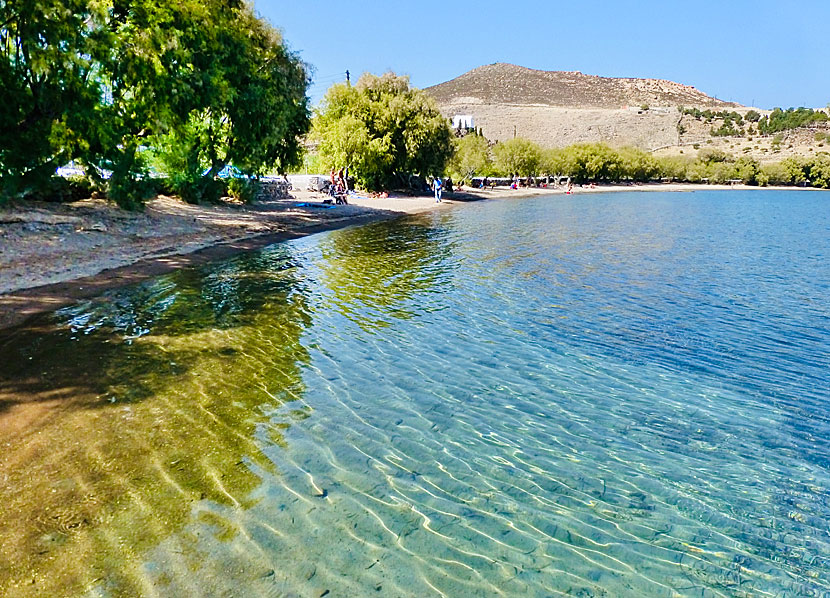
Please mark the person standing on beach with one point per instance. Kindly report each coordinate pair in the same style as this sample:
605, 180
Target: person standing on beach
436, 185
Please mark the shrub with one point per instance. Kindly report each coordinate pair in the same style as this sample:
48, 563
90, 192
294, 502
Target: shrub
243, 190
59, 189
752, 116
197, 189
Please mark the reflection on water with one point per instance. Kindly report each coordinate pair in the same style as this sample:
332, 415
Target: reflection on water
374, 271
595, 396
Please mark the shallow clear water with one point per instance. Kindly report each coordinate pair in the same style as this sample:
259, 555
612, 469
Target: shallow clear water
605, 395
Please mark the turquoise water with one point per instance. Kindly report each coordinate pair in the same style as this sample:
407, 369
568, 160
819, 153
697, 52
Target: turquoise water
603, 395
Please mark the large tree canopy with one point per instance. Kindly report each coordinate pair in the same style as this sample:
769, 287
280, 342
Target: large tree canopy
471, 156
518, 156
45, 76
383, 130
253, 106
110, 83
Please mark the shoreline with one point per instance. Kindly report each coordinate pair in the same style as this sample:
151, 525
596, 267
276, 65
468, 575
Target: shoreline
171, 235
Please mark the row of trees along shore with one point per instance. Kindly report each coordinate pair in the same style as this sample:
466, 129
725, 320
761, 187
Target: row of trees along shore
598, 162
183, 88
121, 88
386, 132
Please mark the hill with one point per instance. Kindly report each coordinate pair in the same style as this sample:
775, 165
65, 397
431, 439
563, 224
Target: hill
510, 84
556, 108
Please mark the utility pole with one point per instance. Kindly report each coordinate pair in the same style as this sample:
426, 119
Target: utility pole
348, 80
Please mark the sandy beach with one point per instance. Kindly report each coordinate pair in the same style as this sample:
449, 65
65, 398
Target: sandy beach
53, 254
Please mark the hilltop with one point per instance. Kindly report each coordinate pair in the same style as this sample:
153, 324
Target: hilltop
560, 108
502, 83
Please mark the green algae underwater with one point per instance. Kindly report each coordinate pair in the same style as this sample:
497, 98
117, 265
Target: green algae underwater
140, 406
147, 416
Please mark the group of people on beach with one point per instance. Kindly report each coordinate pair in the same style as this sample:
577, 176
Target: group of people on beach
339, 185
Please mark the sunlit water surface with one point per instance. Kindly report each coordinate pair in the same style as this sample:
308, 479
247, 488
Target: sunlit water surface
605, 395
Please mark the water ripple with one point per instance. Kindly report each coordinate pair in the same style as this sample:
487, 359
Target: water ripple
609, 396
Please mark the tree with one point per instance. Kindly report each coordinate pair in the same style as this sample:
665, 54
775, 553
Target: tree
384, 130
773, 174
593, 162
45, 75
140, 49
797, 169
637, 165
674, 167
518, 156
820, 170
555, 162
746, 169
471, 157
247, 103
752, 116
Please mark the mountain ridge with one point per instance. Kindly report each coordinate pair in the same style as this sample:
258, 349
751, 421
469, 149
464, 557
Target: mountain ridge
510, 84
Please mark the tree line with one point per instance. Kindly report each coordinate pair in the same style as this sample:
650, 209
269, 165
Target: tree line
124, 88
386, 133
598, 162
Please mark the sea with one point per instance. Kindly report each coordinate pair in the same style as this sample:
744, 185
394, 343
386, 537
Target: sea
595, 395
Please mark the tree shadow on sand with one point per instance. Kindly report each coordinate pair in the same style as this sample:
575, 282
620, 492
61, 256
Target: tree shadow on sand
118, 415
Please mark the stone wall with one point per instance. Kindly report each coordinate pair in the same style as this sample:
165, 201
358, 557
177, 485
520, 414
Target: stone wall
271, 190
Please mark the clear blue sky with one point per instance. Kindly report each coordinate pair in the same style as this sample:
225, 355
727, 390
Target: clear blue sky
770, 52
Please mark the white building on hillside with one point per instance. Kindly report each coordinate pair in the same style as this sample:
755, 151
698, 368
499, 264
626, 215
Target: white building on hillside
463, 121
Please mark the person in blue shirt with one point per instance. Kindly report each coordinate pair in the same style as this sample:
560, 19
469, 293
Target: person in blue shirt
436, 186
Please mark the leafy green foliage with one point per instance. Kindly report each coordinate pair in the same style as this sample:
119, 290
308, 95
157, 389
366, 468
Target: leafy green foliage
792, 118
819, 168
250, 112
471, 156
45, 75
637, 165
242, 189
772, 174
601, 163
746, 169
727, 129
753, 116
517, 156
709, 115
383, 130
194, 84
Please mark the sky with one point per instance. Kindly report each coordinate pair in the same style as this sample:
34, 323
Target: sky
763, 53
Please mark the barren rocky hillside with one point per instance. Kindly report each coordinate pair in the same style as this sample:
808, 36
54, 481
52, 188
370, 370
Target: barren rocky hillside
557, 108
510, 84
